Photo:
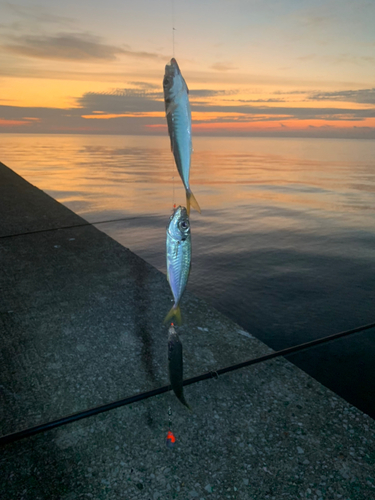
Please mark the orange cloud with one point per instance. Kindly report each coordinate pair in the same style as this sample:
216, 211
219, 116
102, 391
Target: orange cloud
13, 123
107, 116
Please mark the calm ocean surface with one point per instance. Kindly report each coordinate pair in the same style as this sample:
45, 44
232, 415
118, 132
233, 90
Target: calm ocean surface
285, 244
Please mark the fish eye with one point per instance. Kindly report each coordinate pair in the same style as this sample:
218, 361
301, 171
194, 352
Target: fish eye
184, 225
166, 81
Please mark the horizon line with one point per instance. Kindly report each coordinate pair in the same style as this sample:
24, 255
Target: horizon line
270, 135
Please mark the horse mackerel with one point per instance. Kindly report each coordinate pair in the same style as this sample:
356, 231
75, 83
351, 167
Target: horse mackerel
178, 256
178, 114
175, 365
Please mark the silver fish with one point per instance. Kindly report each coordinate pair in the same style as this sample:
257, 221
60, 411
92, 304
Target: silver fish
177, 110
175, 365
178, 250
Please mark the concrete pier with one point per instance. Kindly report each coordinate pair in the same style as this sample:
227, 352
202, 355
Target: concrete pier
81, 325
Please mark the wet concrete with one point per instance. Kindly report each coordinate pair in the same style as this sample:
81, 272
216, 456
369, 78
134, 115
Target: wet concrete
81, 325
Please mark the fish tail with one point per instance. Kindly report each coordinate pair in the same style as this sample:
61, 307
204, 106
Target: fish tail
184, 402
175, 312
190, 200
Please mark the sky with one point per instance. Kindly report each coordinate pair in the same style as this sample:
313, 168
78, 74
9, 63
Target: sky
299, 68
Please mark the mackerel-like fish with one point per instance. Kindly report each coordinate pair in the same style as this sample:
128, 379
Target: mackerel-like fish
178, 250
177, 110
175, 365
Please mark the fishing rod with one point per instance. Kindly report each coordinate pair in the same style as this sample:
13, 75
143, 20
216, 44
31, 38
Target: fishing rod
83, 224
16, 436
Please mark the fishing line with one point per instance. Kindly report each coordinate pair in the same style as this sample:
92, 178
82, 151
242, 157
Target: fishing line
173, 28
173, 53
16, 436
174, 203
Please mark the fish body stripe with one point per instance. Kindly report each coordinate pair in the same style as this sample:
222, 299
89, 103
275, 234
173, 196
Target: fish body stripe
178, 264
180, 120
179, 126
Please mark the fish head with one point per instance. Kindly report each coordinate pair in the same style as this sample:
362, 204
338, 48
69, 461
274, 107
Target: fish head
179, 224
173, 81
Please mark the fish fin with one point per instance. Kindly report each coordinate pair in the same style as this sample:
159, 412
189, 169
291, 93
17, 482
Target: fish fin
175, 312
181, 398
190, 200
184, 402
171, 107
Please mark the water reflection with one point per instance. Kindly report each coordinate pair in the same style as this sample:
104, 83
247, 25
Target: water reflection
135, 174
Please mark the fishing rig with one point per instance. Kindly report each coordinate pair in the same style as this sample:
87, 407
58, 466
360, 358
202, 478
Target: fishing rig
175, 349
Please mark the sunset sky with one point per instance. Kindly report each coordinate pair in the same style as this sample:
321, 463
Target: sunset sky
254, 67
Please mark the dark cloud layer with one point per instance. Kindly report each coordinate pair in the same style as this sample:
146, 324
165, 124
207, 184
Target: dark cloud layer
85, 117
37, 13
122, 101
139, 100
130, 100
145, 85
220, 66
70, 47
290, 92
261, 100
210, 93
302, 113
56, 120
363, 96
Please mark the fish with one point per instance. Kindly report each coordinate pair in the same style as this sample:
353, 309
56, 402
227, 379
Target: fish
178, 114
178, 257
175, 365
